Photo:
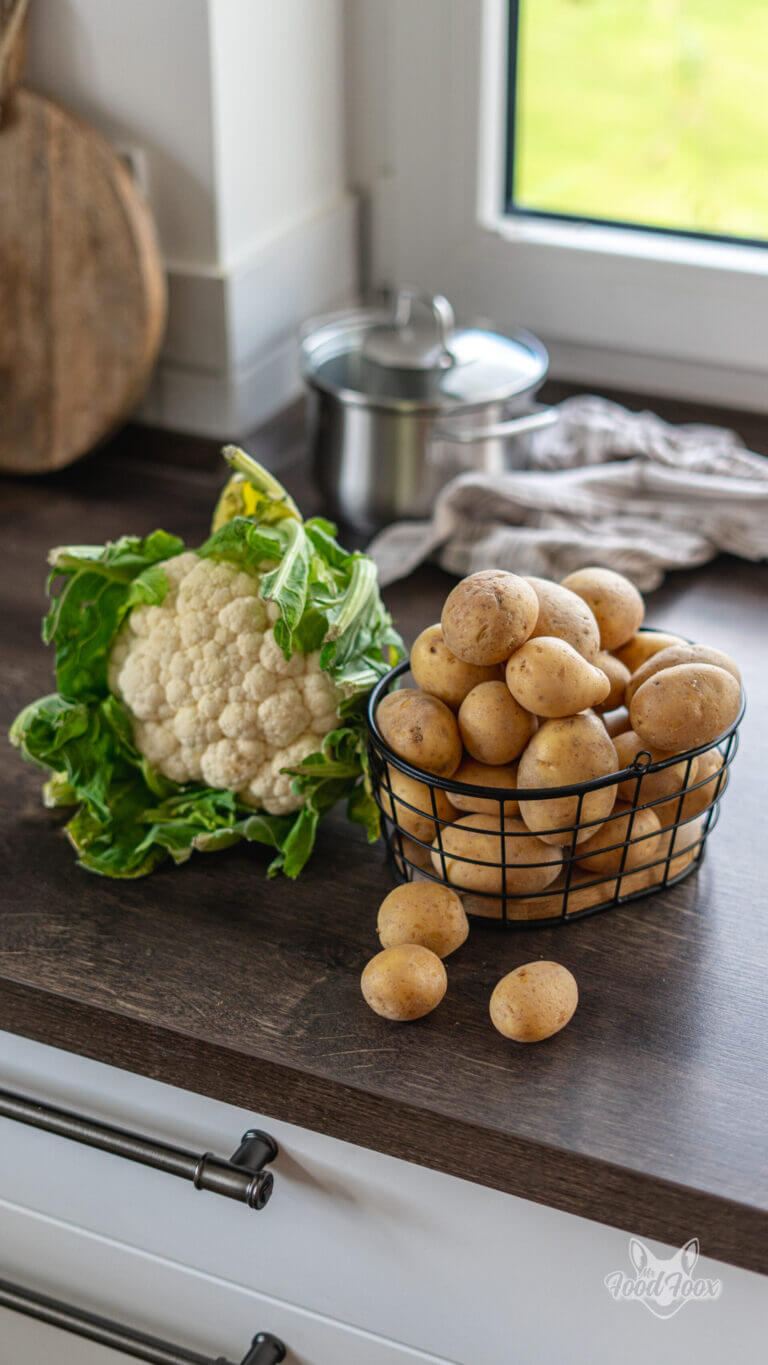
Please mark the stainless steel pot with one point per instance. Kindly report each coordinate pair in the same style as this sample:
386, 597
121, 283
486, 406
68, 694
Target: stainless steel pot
401, 400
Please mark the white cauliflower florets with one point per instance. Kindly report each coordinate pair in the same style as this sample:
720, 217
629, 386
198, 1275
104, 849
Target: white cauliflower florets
211, 695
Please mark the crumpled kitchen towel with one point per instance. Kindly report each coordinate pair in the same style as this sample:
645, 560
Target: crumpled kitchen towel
605, 486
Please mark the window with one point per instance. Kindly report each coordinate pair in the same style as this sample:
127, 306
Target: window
650, 113
625, 221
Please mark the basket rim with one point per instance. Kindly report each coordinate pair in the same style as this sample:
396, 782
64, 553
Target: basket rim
636, 770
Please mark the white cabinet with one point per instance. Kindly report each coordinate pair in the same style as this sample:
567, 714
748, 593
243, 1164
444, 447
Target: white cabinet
147, 1294
355, 1247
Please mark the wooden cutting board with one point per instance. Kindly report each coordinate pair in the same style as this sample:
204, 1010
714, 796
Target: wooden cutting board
82, 289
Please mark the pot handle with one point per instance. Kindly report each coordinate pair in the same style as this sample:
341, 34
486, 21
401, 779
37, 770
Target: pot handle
515, 426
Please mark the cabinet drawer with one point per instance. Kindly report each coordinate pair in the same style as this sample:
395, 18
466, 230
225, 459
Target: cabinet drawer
443, 1265
148, 1294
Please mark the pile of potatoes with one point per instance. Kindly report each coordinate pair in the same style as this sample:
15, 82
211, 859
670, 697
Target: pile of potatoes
421, 923
532, 685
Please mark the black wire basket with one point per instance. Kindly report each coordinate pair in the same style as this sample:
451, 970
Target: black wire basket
512, 887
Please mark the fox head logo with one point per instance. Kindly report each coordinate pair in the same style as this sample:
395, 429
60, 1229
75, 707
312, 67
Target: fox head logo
663, 1284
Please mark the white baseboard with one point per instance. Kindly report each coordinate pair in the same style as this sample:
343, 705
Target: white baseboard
229, 358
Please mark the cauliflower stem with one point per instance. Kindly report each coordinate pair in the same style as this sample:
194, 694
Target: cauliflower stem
213, 695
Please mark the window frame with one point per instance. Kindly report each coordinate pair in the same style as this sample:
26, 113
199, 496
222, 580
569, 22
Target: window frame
617, 307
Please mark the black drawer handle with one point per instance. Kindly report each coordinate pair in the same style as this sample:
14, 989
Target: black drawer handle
265, 1349
241, 1177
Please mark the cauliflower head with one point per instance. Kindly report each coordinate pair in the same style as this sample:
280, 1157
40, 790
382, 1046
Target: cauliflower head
210, 694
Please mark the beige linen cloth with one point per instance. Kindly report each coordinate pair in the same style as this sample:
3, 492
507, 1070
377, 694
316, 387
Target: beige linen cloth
604, 486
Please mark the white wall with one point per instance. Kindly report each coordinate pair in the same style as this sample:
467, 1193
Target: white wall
237, 110
140, 72
278, 116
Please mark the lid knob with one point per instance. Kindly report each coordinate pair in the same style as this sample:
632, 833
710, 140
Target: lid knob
404, 345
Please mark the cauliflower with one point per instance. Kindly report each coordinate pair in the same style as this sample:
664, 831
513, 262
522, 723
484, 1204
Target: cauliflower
210, 693
197, 688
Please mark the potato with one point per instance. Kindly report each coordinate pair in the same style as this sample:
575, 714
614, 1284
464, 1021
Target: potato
615, 603
679, 654
437, 671
405, 982
488, 615
493, 725
617, 722
407, 792
697, 798
654, 786
685, 706
586, 890
549, 678
420, 729
685, 843
534, 1001
543, 905
416, 860
423, 912
563, 752
484, 775
643, 645
590, 889
478, 837
597, 855
618, 676
563, 614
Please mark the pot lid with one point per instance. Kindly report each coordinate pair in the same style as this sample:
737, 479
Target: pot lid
413, 355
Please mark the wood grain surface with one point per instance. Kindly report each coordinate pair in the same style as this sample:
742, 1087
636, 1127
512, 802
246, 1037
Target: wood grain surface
82, 290
649, 1112
13, 42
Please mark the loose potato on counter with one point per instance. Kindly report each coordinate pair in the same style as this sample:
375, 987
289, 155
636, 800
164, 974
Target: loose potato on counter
494, 727
565, 615
404, 983
549, 678
406, 793
697, 797
476, 774
561, 753
534, 1001
421, 729
685, 706
679, 654
437, 671
654, 786
423, 912
645, 644
617, 722
530, 864
618, 676
488, 615
597, 853
615, 603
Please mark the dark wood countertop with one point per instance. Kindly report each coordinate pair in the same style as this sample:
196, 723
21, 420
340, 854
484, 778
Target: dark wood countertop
649, 1112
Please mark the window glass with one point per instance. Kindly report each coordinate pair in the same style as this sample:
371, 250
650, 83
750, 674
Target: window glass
642, 112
